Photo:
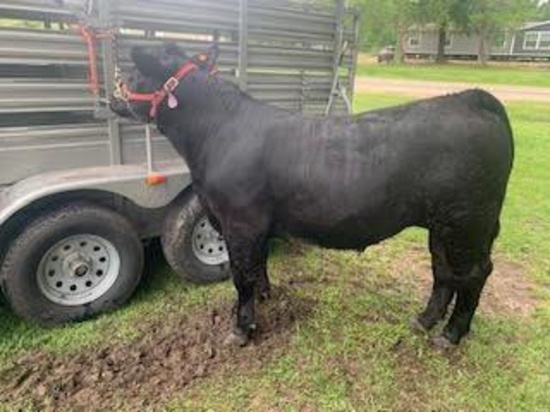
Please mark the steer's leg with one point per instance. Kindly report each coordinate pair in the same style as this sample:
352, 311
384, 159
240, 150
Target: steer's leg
442, 290
263, 287
470, 257
468, 293
248, 261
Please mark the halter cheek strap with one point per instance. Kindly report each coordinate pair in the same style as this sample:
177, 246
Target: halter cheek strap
158, 96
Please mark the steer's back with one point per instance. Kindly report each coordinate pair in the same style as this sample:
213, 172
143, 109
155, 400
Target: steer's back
351, 181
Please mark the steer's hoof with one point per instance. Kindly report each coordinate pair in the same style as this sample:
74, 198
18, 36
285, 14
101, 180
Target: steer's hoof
264, 295
442, 342
239, 338
418, 327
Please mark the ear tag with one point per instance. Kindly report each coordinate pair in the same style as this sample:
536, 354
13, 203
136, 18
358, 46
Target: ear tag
172, 101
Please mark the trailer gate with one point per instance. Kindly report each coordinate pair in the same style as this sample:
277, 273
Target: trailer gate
66, 160
280, 52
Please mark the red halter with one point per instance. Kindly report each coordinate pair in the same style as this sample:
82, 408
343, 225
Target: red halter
158, 96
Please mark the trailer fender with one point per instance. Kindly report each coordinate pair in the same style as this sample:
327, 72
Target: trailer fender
130, 181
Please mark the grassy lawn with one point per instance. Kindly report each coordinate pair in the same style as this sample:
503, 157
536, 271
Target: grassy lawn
538, 77
347, 346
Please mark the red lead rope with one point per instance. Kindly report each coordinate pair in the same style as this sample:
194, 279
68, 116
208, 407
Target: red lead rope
156, 98
90, 39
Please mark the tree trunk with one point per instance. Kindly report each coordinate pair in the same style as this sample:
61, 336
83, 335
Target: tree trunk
400, 44
441, 40
484, 46
483, 53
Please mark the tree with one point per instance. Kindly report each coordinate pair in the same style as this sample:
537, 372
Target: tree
445, 14
487, 18
385, 22
543, 12
436, 12
375, 30
403, 14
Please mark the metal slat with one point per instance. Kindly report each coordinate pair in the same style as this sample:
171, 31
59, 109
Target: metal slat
50, 10
297, 58
14, 137
199, 26
210, 6
17, 96
148, 15
29, 161
287, 35
267, 13
19, 46
292, 21
45, 4
316, 10
287, 23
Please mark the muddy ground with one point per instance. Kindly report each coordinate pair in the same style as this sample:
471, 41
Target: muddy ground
170, 354
146, 373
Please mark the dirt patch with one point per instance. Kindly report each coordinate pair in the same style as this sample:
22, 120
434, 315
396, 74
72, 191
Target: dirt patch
508, 291
168, 356
426, 89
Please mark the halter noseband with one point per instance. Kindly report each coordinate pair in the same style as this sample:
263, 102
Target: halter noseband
157, 97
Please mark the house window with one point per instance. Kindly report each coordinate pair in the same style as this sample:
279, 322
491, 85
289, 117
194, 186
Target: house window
544, 41
449, 40
531, 40
414, 40
499, 40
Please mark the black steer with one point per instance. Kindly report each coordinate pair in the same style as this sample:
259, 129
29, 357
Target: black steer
341, 182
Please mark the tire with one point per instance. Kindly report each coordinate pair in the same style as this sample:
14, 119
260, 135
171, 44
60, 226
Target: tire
72, 263
192, 257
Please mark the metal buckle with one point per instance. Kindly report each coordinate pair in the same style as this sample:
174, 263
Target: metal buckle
171, 84
121, 91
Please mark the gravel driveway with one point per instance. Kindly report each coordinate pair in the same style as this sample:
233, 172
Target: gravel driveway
422, 89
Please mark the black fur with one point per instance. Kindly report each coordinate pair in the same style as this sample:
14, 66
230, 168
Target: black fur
342, 182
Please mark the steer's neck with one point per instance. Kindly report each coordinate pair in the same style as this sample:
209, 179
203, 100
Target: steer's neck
205, 104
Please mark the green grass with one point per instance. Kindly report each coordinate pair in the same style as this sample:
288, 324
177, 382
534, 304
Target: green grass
354, 351
518, 76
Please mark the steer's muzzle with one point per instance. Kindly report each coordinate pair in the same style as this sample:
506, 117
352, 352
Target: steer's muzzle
120, 107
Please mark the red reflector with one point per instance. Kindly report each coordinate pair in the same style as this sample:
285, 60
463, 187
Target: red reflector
155, 179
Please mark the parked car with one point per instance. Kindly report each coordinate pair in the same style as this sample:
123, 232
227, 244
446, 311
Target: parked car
386, 54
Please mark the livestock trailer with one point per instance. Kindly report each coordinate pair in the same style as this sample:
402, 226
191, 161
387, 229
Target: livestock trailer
80, 190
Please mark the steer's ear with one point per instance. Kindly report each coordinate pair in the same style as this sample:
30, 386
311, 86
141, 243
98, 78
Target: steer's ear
172, 49
147, 64
209, 59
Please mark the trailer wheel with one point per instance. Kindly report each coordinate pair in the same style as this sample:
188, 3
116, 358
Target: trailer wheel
192, 247
72, 263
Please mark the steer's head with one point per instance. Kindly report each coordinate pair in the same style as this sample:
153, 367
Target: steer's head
152, 70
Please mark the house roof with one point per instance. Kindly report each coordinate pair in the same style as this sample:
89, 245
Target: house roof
433, 26
534, 24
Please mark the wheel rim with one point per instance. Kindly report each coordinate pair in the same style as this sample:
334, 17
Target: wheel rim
208, 245
78, 270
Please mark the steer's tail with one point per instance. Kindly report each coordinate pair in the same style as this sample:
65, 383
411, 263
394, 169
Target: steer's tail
487, 101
